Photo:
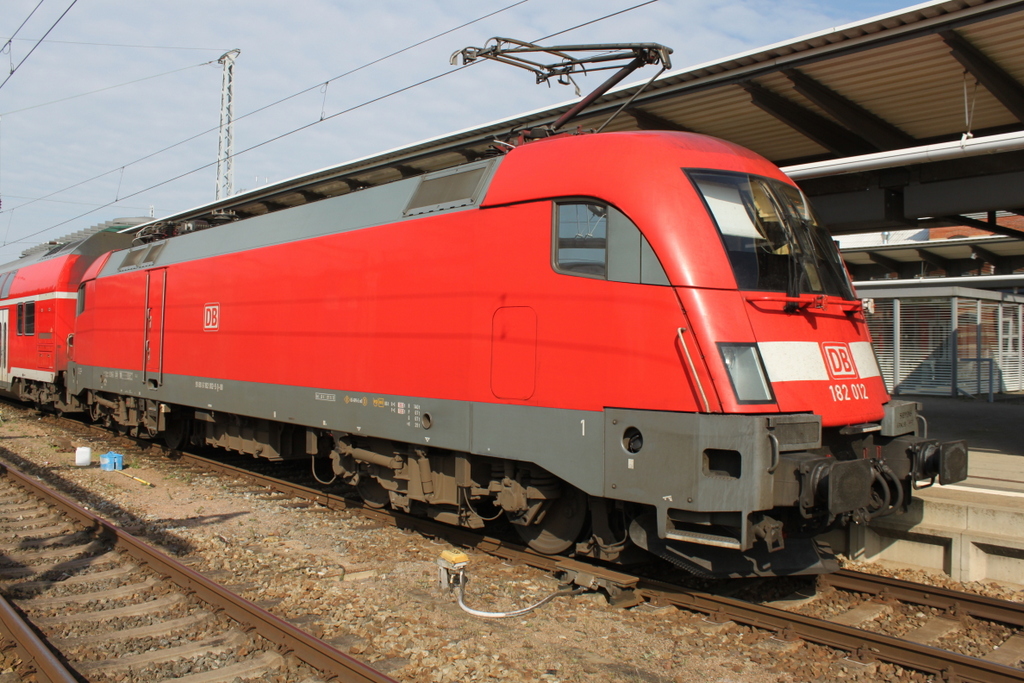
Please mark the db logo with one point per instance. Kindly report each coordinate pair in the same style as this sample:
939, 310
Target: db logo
838, 360
211, 317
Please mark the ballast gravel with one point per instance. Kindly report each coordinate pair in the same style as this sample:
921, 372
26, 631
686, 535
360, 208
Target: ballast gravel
371, 590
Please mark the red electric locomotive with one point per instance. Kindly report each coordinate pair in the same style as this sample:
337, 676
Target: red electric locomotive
613, 341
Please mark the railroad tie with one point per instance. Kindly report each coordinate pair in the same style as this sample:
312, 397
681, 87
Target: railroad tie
28, 587
32, 525
932, 630
216, 645
264, 662
1010, 653
157, 630
25, 559
861, 614
140, 609
32, 604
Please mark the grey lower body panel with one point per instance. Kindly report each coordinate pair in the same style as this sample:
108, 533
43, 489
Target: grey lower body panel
676, 463
688, 461
567, 443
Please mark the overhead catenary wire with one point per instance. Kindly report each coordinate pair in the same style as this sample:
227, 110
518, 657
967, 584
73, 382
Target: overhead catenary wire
594, 21
109, 87
80, 203
247, 149
252, 113
37, 43
128, 45
301, 128
7, 45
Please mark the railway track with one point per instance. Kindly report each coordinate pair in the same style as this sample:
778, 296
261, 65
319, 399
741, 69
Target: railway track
848, 625
849, 631
109, 607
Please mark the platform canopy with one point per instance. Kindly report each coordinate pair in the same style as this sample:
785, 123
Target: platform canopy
914, 263
942, 82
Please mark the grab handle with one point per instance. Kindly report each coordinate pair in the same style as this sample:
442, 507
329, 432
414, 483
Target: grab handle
693, 370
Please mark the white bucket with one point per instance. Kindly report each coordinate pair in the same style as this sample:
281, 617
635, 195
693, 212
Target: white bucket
83, 456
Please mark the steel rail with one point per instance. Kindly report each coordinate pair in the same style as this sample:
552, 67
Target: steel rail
954, 602
292, 640
863, 645
34, 653
456, 535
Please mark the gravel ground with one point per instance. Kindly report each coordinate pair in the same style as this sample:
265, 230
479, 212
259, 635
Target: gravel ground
371, 590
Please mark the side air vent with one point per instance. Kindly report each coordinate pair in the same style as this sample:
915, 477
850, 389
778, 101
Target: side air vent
140, 257
449, 189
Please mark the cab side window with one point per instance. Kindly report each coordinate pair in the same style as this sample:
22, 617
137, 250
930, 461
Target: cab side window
593, 239
582, 246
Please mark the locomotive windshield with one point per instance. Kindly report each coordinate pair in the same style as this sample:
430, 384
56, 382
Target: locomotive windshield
774, 241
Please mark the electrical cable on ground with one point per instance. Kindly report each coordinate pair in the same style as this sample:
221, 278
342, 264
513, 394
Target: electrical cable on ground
461, 596
451, 566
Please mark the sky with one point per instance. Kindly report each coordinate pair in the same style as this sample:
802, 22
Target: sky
115, 112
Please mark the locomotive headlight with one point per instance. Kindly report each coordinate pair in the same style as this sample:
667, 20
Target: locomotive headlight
746, 372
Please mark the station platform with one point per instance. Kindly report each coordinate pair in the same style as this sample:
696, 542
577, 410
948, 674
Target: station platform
973, 530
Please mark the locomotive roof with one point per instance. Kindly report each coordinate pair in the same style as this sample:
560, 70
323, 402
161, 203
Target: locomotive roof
899, 78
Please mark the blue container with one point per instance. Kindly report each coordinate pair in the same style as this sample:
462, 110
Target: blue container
110, 461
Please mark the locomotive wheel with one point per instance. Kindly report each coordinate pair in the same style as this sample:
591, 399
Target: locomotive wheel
561, 525
95, 412
176, 433
372, 493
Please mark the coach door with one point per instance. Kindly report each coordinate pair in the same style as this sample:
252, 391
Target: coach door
156, 286
5, 373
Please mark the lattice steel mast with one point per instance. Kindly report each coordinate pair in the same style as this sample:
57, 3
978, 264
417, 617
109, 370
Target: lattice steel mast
226, 145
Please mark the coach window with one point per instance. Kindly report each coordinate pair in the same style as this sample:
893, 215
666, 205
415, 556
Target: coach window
27, 318
597, 240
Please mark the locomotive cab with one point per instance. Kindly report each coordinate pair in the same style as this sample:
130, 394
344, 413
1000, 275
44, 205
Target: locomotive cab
839, 451
769, 422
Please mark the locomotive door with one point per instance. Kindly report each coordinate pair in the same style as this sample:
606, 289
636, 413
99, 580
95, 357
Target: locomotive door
5, 374
156, 285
